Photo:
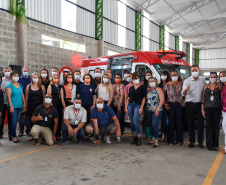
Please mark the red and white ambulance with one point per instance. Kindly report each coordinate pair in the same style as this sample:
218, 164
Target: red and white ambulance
162, 60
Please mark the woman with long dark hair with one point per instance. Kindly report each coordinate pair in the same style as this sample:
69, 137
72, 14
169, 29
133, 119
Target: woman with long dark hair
45, 78
164, 120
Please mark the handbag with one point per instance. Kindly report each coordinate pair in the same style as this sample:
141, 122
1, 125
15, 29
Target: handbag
24, 120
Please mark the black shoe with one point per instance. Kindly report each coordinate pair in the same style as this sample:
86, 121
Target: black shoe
17, 141
21, 134
215, 148
191, 145
138, 141
201, 145
10, 138
210, 149
134, 140
28, 134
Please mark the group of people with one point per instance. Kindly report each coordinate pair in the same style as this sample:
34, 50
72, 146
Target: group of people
98, 104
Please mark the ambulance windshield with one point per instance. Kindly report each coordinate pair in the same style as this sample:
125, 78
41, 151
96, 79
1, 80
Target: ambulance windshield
184, 71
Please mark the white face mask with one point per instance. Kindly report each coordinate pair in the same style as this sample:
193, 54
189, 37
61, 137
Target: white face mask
105, 80
223, 79
77, 106
7, 74
136, 81
147, 77
100, 106
152, 84
43, 75
54, 73
97, 75
213, 80
129, 79
48, 100
35, 80
15, 79
163, 77
125, 75
195, 74
77, 77
174, 78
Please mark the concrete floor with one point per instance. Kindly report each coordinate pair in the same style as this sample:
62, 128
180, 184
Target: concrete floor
117, 163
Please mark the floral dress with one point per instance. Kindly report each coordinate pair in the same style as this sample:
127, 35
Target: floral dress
117, 95
152, 100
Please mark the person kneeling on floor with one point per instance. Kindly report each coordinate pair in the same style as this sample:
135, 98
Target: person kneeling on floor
75, 117
42, 118
102, 116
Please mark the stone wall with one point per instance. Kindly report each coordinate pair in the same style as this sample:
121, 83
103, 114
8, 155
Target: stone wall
44, 56
8, 48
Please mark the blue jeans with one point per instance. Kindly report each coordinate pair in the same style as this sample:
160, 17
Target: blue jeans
164, 121
14, 117
134, 117
80, 135
154, 122
175, 118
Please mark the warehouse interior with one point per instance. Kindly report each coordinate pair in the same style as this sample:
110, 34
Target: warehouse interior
45, 33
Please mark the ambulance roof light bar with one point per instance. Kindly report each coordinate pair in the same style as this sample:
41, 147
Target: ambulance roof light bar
162, 53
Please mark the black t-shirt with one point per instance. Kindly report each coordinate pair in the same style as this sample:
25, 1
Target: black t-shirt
95, 82
77, 86
48, 114
136, 95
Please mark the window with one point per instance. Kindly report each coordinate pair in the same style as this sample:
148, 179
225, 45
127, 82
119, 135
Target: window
51, 41
141, 70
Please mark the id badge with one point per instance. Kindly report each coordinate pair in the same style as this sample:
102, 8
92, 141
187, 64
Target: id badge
46, 118
211, 98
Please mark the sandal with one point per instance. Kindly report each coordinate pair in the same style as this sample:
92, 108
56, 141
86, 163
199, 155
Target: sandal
156, 143
179, 144
151, 142
162, 137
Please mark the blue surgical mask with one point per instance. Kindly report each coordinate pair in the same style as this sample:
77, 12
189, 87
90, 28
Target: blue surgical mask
25, 74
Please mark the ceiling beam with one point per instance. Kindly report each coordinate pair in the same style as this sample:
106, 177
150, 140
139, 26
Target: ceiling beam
187, 10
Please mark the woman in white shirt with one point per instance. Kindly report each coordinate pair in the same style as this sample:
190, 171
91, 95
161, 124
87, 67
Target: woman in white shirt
105, 90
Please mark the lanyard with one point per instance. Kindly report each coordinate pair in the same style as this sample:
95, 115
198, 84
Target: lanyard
58, 88
76, 114
47, 111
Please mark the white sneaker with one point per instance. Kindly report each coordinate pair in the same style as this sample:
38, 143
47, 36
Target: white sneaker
118, 138
107, 139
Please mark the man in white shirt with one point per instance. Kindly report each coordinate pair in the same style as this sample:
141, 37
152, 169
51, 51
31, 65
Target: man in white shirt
75, 117
192, 90
5, 80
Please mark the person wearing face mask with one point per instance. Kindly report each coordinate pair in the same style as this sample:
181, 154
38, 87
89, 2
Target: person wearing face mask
147, 128
104, 122
87, 92
54, 90
75, 117
127, 87
5, 81
77, 76
192, 90
223, 99
155, 99
118, 101
164, 120
35, 96
42, 118
125, 82
16, 101
134, 106
108, 72
45, 78
211, 110
105, 90
68, 91
25, 79
97, 77
174, 104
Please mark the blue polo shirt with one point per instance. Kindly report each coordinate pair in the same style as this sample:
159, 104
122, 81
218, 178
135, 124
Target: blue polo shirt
24, 82
104, 117
86, 93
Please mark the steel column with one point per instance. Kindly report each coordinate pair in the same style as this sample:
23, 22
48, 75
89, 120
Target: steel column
162, 38
188, 53
99, 20
197, 57
138, 31
177, 43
